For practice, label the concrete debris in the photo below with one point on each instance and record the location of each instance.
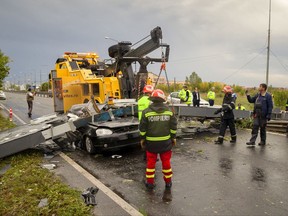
(49, 166)
(43, 203)
(116, 156)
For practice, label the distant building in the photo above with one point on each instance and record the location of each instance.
(154, 78)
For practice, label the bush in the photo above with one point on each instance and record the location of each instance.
(280, 98)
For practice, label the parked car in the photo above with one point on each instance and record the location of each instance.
(2, 95)
(174, 98)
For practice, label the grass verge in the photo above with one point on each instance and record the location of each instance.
(25, 183)
(5, 123)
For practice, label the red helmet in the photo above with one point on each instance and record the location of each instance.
(158, 95)
(148, 89)
(227, 89)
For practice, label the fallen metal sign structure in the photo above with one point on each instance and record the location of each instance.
(205, 112)
(51, 127)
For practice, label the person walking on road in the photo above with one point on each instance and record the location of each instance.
(185, 95)
(196, 97)
(263, 106)
(158, 128)
(30, 97)
(227, 116)
(211, 96)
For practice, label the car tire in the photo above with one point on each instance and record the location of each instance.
(89, 145)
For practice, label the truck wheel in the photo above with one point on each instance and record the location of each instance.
(89, 145)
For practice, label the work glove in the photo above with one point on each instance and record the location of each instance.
(142, 143)
(268, 117)
(173, 142)
(217, 111)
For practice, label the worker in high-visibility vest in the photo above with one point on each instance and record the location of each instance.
(240, 107)
(211, 96)
(144, 101)
(158, 128)
(185, 95)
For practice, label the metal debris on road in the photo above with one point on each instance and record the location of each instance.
(90, 195)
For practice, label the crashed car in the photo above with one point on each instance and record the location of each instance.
(2, 95)
(174, 98)
(112, 129)
(102, 136)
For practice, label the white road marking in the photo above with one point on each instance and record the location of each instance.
(122, 203)
(14, 115)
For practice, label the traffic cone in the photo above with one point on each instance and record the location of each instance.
(10, 114)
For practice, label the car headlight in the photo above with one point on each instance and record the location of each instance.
(103, 132)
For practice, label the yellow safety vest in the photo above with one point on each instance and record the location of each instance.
(182, 95)
(211, 95)
(143, 103)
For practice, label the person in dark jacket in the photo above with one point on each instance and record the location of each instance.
(196, 97)
(158, 128)
(30, 97)
(263, 106)
(227, 116)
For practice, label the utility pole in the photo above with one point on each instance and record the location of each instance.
(268, 47)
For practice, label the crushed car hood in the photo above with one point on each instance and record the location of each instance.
(117, 122)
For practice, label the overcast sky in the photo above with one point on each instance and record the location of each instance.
(221, 40)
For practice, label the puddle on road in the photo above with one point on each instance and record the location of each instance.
(226, 165)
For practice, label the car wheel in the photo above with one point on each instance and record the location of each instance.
(89, 145)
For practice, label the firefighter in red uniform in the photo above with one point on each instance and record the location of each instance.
(158, 133)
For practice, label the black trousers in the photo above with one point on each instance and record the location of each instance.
(230, 123)
(30, 106)
(196, 103)
(259, 123)
(211, 102)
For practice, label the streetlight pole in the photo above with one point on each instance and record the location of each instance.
(268, 47)
(109, 38)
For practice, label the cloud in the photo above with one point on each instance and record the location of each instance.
(213, 38)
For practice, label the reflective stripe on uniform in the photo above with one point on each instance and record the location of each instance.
(163, 138)
(156, 114)
(150, 170)
(167, 171)
(150, 176)
(168, 176)
(142, 133)
(173, 131)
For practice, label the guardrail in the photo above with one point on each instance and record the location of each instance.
(39, 93)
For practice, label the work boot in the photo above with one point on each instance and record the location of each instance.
(219, 140)
(168, 185)
(233, 139)
(262, 143)
(250, 143)
(149, 186)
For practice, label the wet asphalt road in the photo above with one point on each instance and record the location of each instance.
(208, 179)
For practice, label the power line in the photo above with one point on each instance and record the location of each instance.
(235, 72)
(279, 60)
(201, 58)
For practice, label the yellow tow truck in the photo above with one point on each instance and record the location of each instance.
(79, 76)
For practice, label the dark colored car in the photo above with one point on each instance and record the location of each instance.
(101, 136)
